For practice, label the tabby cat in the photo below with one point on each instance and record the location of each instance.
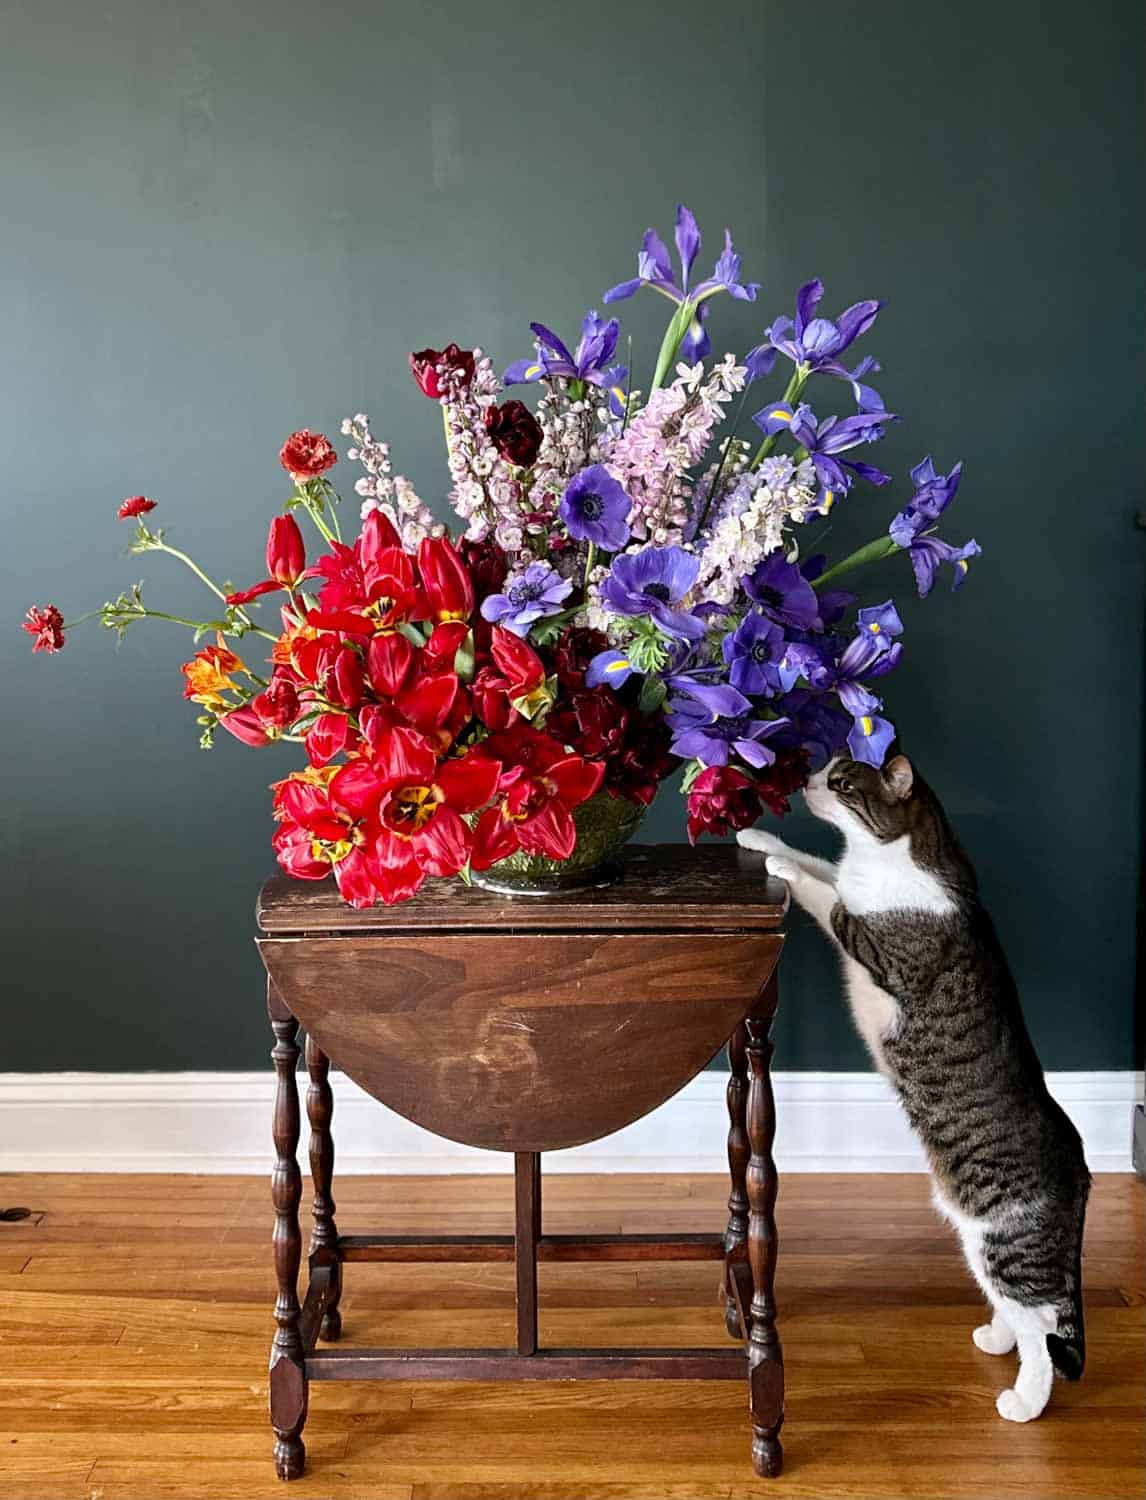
(935, 1002)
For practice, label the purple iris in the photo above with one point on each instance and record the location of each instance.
(825, 440)
(910, 529)
(528, 597)
(755, 655)
(815, 343)
(609, 669)
(595, 509)
(873, 653)
(813, 725)
(655, 269)
(649, 582)
(588, 362)
(711, 720)
(933, 494)
(783, 593)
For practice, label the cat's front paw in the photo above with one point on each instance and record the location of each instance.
(783, 868)
(760, 841)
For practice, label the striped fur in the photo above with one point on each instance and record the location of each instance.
(936, 1003)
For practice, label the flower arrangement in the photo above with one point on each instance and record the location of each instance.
(631, 590)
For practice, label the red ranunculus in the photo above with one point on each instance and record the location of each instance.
(486, 564)
(47, 625)
(539, 787)
(138, 505)
(446, 585)
(721, 800)
(788, 773)
(575, 650)
(286, 562)
(307, 454)
(424, 366)
(643, 761)
(514, 432)
(592, 721)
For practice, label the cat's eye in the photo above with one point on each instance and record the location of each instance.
(843, 785)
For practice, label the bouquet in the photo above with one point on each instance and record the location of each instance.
(634, 586)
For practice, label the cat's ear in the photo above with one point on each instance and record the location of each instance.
(898, 777)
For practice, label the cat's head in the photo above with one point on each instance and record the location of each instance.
(879, 801)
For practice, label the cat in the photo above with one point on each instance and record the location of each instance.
(935, 1002)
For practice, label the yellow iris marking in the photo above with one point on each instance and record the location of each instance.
(829, 500)
(866, 724)
(620, 395)
(962, 564)
(532, 371)
(780, 416)
(874, 627)
(617, 666)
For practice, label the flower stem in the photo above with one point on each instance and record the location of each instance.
(161, 546)
(876, 551)
(590, 560)
(670, 344)
(791, 395)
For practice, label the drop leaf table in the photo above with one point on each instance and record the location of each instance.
(527, 1025)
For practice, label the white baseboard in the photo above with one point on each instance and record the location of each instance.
(220, 1122)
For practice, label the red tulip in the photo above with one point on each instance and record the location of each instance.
(424, 365)
(445, 580)
(277, 707)
(539, 787)
(286, 562)
(245, 724)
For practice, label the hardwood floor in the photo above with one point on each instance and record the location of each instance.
(135, 1325)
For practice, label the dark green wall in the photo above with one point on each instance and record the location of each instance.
(226, 220)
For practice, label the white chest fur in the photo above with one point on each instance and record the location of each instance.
(875, 877)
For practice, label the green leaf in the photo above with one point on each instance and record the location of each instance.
(653, 694)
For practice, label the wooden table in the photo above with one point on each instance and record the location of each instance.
(527, 1026)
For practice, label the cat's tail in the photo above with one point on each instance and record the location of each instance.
(1067, 1344)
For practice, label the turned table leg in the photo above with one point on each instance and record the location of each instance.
(765, 1358)
(736, 1234)
(288, 1384)
(324, 1235)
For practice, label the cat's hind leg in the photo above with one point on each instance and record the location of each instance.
(995, 1337)
(1031, 1390)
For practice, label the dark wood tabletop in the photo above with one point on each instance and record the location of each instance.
(665, 887)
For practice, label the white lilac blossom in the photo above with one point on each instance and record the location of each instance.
(383, 490)
(653, 456)
(750, 522)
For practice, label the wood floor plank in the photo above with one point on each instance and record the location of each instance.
(134, 1315)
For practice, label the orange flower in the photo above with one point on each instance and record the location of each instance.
(208, 675)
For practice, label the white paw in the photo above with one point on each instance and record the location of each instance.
(1012, 1408)
(782, 868)
(758, 839)
(992, 1340)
